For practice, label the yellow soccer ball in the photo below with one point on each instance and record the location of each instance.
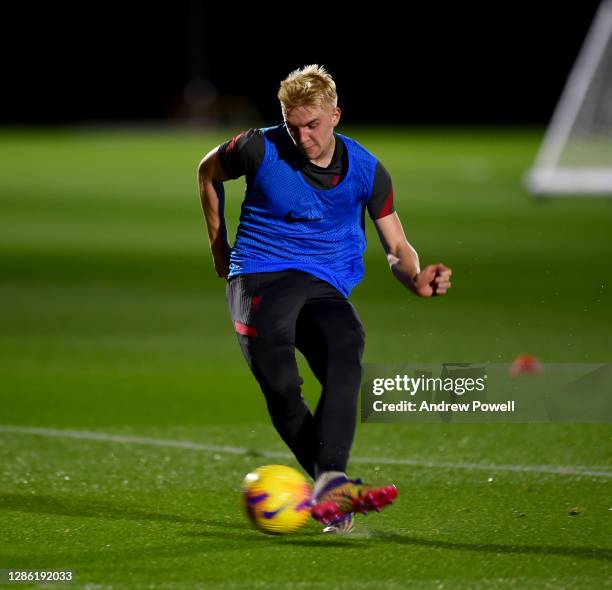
(277, 499)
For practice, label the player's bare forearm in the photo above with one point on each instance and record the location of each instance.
(212, 199)
(404, 261)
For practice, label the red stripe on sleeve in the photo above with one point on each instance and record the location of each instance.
(231, 146)
(388, 206)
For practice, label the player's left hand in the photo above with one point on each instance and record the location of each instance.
(433, 280)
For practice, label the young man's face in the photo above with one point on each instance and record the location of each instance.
(312, 129)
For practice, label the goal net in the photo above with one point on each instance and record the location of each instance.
(576, 154)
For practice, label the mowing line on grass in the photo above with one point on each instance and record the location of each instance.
(574, 470)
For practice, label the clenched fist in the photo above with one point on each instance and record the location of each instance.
(432, 280)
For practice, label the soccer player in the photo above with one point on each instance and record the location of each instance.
(298, 254)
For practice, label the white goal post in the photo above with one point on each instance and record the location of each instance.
(576, 154)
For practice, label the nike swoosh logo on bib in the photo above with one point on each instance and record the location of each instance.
(291, 219)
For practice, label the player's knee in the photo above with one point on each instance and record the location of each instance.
(287, 411)
(282, 386)
(349, 343)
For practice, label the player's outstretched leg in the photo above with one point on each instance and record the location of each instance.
(330, 335)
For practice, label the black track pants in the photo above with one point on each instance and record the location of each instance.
(275, 313)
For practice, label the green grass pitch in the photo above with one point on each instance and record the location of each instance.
(113, 323)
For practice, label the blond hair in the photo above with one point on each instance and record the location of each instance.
(309, 86)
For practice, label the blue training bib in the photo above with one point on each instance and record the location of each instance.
(287, 224)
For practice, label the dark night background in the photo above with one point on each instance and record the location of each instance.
(505, 64)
